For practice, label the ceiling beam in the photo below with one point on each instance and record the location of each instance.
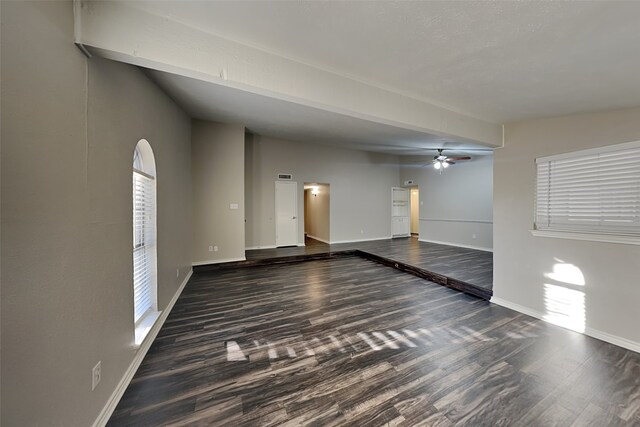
(125, 33)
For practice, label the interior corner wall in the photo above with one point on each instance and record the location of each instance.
(317, 212)
(69, 129)
(522, 262)
(457, 204)
(360, 188)
(217, 154)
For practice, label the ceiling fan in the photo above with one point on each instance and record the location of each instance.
(441, 161)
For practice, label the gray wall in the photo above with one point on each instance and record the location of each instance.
(69, 128)
(457, 203)
(523, 262)
(317, 213)
(217, 154)
(360, 188)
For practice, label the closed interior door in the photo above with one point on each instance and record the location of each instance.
(286, 213)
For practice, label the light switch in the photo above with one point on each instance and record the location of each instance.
(233, 206)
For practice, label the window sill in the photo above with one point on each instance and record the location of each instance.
(145, 325)
(592, 237)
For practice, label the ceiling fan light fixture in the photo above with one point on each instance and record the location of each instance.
(445, 164)
(437, 165)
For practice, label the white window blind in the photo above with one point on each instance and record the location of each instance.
(590, 191)
(144, 242)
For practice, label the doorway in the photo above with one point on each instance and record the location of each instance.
(286, 213)
(415, 212)
(317, 212)
(400, 214)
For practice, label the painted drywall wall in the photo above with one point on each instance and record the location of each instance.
(524, 264)
(457, 203)
(317, 213)
(306, 210)
(360, 183)
(69, 128)
(217, 155)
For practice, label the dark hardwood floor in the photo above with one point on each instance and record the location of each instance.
(468, 265)
(350, 342)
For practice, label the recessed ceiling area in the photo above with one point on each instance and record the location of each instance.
(287, 120)
(499, 61)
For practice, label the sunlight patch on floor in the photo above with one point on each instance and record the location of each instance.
(565, 300)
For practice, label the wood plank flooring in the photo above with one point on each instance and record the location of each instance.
(467, 265)
(350, 342)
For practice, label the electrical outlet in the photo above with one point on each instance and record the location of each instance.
(361, 231)
(96, 375)
(474, 236)
(210, 248)
(215, 249)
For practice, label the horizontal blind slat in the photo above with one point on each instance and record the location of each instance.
(594, 192)
(144, 212)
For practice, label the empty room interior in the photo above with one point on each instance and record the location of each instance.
(271, 213)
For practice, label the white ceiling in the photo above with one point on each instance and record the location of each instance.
(500, 61)
(282, 119)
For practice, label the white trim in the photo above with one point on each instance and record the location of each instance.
(299, 244)
(318, 239)
(115, 397)
(253, 248)
(592, 237)
(516, 307)
(360, 240)
(218, 261)
(594, 333)
(144, 326)
(478, 248)
(479, 221)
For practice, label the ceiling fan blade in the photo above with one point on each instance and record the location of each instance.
(450, 162)
(459, 158)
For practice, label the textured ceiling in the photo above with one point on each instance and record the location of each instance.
(500, 61)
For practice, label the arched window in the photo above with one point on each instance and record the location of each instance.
(144, 240)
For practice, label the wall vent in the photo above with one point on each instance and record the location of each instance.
(408, 182)
(285, 176)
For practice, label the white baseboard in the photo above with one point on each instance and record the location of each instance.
(218, 261)
(252, 248)
(115, 397)
(317, 238)
(594, 333)
(360, 240)
(479, 248)
(517, 307)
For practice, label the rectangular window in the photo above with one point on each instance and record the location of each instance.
(144, 241)
(593, 191)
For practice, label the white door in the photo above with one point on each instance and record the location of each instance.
(400, 212)
(286, 213)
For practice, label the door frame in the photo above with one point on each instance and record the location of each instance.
(408, 216)
(295, 184)
(411, 188)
